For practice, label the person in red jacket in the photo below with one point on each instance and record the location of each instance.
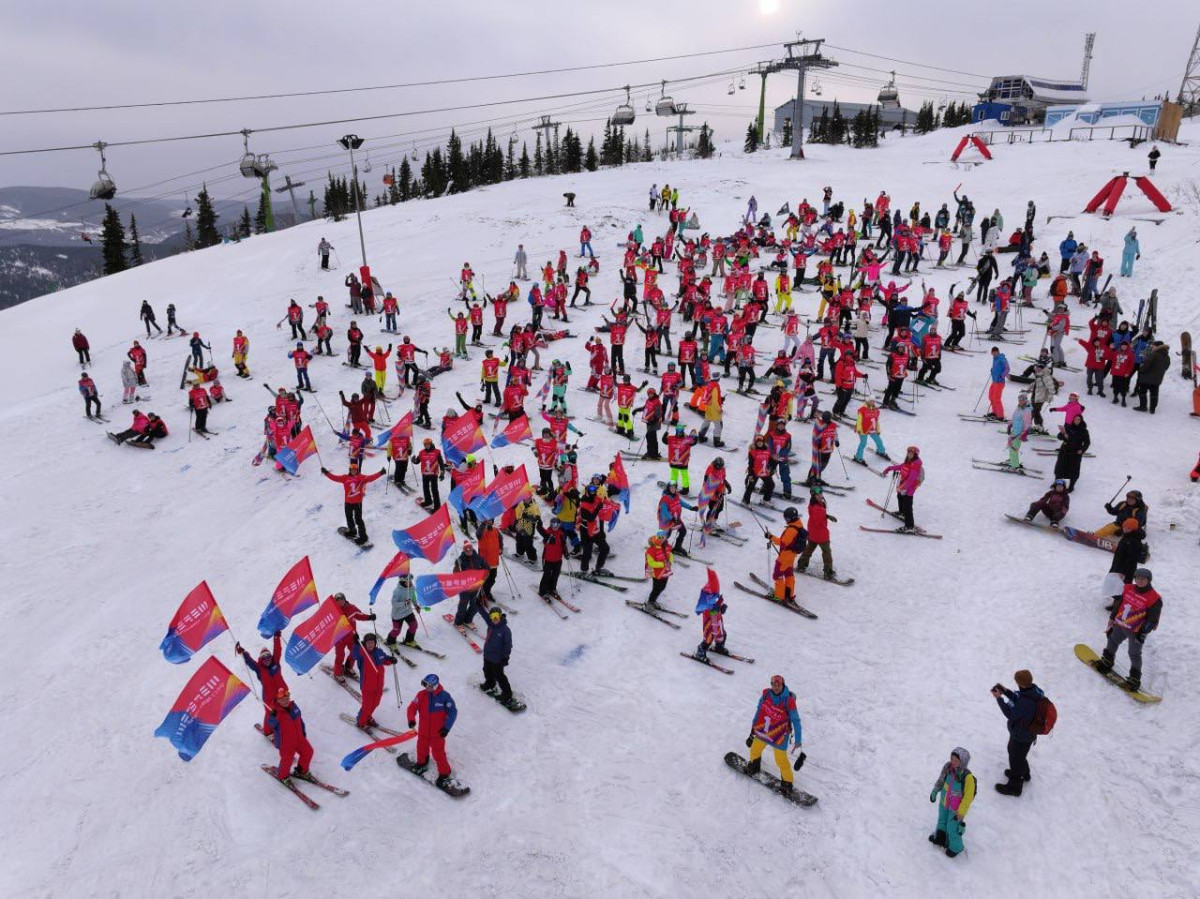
(270, 675)
(199, 402)
(355, 486)
(81, 346)
(371, 660)
(291, 737)
(435, 709)
(343, 662)
(818, 534)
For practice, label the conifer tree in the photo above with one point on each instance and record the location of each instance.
(704, 146)
(245, 227)
(590, 161)
(524, 167)
(135, 242)
(207, 234)
(113, 246)
(751, 143)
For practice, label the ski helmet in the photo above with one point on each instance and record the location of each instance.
(264, 652)
(1143, 573)
(826, 416)
(430, 680)
(339, 597)
(790, 514)
(718, 463)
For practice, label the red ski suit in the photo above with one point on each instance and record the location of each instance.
(437, 712)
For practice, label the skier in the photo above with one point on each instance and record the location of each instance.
(1018, 432)
(713, 636)
(354, 486)
(291, 736)
(300, 358)
(866, 426)
(910, 475)
(468, 600)
(198, 346)
(1150, 376)
(269, 673)
(520, 260)
(199, 402)
(371, 661)
(433, 469)
(998, 377)
(128, 382)
(323, 250)
(553, 542)
(590, 526)
(1131, 251)
(818, 535)
(82, 347)
(679, 455)
(956, 789)
(90, 394)
(1133, 618)
(497, 647)
(790, 542)
(437, 713)
(404, 606)
(147, 316)
(776, 723)
(137, 355)
(1019, 708)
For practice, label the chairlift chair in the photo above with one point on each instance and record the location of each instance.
(816, 87)
(251, 166)
(104, 188)
(624, 114)
(665, 105)
(649, 104)
(732, 90)
(742, 83)
(367, 164)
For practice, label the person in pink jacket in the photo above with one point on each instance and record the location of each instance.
(1070, 408)
(910, 474)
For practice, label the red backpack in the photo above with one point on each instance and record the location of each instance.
(1044, 717)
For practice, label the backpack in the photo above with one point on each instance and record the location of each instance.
(1044, 717)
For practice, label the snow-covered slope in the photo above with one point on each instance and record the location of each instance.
(612, 783)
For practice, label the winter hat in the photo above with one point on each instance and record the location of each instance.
(1023, 678)
(1129, 525)
(1143, 572)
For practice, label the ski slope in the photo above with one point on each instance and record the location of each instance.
(612, 784)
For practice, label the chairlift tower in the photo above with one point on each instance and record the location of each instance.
(681, 110)
(802, 55)
(544, 124)
(290, 187)
(1189, 88)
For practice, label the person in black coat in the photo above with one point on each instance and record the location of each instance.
(496, 650)
(1075, 442)
(1019, 709)
(1130, 551)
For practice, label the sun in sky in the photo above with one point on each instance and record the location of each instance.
(768, 7)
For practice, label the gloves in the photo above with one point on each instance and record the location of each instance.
(749, 741)
(768, 537)
(411, 725)
(443, 731)
(279, 633)
(1141, 638)
(324, 470)
(932, 796)
(237, 647)
(371, 617)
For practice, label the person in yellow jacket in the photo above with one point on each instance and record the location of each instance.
(956, 790)
(783, 293)
(659, 560)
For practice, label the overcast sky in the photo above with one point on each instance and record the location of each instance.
(75, 53)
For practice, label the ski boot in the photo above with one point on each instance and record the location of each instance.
(720, 649)
(603, 572)
(442, 781)
(785, 787)
(490, 690)
(702, 652)
(718, 442)
(829, 575)
(753, 766)
(1028, 518)
(1104, 666)
(951, 853)
(938, 838)
(389, 641)
(1026, 778)
(1010, 788)
(1133, 683)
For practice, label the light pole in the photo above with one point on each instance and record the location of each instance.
(352, 142)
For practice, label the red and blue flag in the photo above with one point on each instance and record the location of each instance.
(314, 637)
(210, 695)
(197, 620)
(398, 567)
(619, 479)
(710, 593)
(469, 484)
(402, 428)
(515, 431)
(461, 435)
(430, 540)
(434, 588)
(295, 593)
(294, 453)
(506, 490)
(362, 752)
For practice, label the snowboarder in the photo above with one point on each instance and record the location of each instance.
(956, 789)
(497, 647)
(241, 352)
(371, 660)
(354, 486)
(1133, 506)
(269, 673)
(435, 710)
(1054, 504)
(291, 736)
(1019, 708)
(1132, 619)
(379, 358)
(776, 723)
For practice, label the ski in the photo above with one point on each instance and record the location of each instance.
(1053, 452)
(709, 663)
(419, 648)
(328, 669)
(369, 731)
(799, 797)
(462, 629)
(983, 419)
(653, 613)
(403, 658)
(758, 508)
(98, 419)
(309, 778)
(1088, 656)
(549, 601)
(450, 788)
(733, 655)
(287, 784)
(917, 533)
(894, 514)
(840, 581)
(574, 608)
(866, 465)
(591, 579)
(1003, 468)
(770, 597)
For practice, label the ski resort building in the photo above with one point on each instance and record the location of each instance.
(890, 117)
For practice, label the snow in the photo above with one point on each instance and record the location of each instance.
(612, 783)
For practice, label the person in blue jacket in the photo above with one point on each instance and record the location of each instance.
(998, 378)
(776, 721)
(1131, 251)
(1019, 709)
(497, 648)
(1066, 250)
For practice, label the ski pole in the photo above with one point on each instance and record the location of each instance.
(982, 391)
(1128, 478)
(888, 498)
(189, 424)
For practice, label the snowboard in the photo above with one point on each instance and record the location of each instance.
(1087, 538)
(345, 532)
(1185, 343)
(1017, 519)
(1088, 656)
(453, 788)
(514, 705)
(770, 781)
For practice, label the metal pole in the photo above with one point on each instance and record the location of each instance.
(358, 208)
(798, 115)
(762, 108)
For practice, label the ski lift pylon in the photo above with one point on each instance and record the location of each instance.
(104, 188)
(665, 105)
(624, 114)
